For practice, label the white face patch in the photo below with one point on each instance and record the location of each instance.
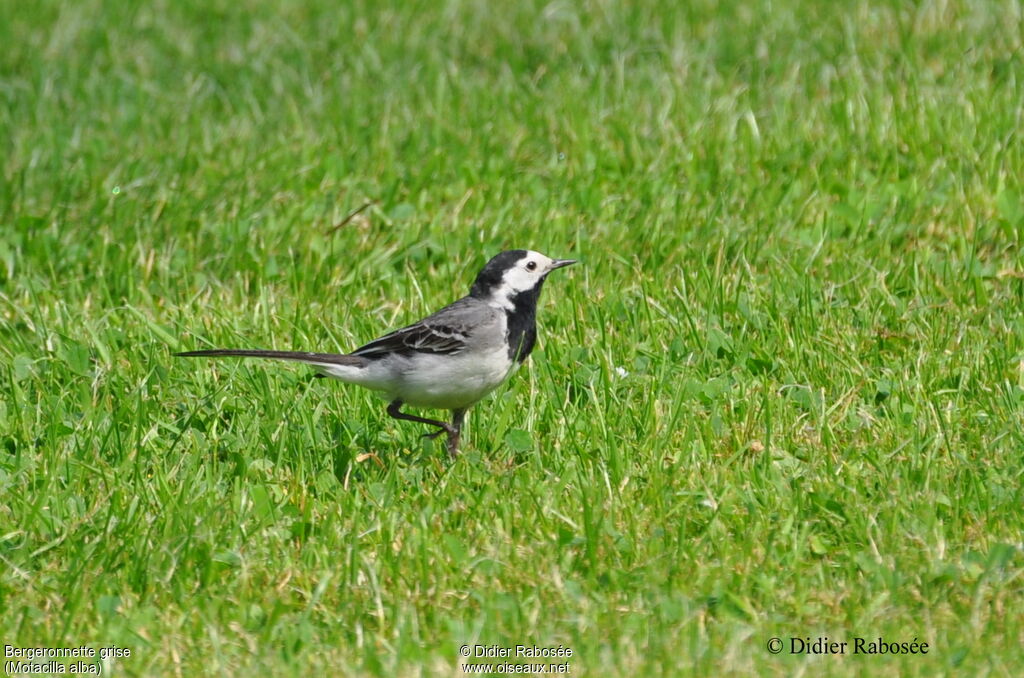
(524, 275)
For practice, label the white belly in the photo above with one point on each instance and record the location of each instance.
(448, 382)
(453, 381)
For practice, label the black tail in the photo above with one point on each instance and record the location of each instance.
(297, 356)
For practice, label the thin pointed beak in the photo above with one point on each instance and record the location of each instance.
(559, 263)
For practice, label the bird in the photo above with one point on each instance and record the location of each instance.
(450, 359)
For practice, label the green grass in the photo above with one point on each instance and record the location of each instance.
(781, 396)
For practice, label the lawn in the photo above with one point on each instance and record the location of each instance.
(782, 395)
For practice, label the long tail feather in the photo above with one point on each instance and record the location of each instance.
(297, 356)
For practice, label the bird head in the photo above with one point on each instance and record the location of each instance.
(512, 275)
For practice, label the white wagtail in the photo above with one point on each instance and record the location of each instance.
(450, 359)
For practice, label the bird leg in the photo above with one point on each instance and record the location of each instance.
(453, 436)
(395, 410)
(454, 430)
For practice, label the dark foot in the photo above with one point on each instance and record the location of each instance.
(454, 430)
(432, 436)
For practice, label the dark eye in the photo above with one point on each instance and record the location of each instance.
(531, 266)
